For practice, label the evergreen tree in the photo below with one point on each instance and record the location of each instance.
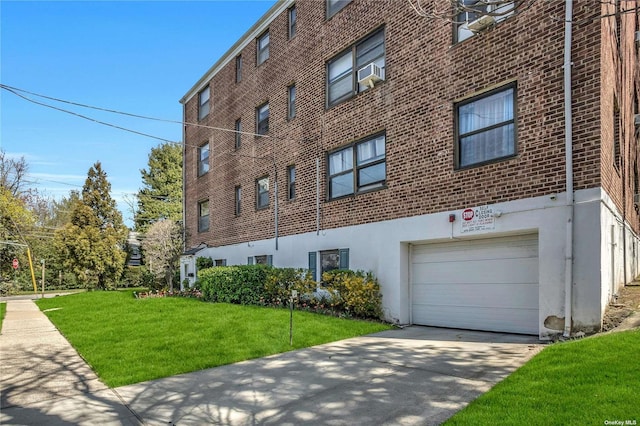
(161, 196)
(92, 244)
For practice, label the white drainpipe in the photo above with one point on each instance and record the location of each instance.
(568, 146)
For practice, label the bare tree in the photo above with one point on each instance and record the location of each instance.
(162, 246)
(12, 173)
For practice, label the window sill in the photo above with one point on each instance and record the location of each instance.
(362, 192)
(484, 163)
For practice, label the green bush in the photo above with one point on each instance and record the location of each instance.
(137, 276)
(354, 292)
(281, 281)
(203, 263)
(241, 284)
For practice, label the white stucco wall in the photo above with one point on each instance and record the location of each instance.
(384, 249)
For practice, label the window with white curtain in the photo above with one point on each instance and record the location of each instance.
(203, 159)
(358, 167)
(486, 128)
(262, 193)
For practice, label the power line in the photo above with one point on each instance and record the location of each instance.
(104, 123)
(21, 93)
(15, 91)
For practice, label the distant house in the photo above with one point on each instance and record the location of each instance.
(486, 171)
(134, 244)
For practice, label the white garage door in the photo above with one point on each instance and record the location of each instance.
(488, 284)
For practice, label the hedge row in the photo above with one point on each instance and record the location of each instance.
(342, 292)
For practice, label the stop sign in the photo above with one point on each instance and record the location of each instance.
(15, 264)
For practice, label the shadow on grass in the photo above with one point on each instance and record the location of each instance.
(419, 375)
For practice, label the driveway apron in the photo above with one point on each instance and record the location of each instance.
(410, 376)
(413, 376)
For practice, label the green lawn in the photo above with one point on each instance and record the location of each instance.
(581, 382)
(3, 310)
(128, 340)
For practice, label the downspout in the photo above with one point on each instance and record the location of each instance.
(568, 148)
(275, 203)
(184, 191)
(317, 196)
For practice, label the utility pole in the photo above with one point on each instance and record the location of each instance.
(42, 262)
(33, 276)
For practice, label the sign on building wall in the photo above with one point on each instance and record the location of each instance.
(479, 219)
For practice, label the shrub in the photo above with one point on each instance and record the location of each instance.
(203, 263)
(354, 292)
(241, 284)
(281, 281)
(137, 276)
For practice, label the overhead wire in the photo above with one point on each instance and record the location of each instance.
(21, 93)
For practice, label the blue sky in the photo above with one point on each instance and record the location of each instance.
(138, 57)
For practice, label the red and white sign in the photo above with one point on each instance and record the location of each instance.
(479, 219)
(15, 264)
(467, 214)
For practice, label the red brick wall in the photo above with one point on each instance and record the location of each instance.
(619, 66)
(426, 73)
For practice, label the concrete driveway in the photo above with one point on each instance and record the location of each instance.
(413, 376)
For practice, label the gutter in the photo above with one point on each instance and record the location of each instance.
(568, 147)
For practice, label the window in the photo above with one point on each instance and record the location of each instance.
(357, 168)
(265, 259)
(238, 68)
(333, 259)
(203, 159)
(334, 6)
(291, 182)
(238, 135)
(342, 71)
(486, 127)
(291, 104)
(203, 103)
(262, 119)
(203, 216)
(238, 200)
(263, 48)
(293, 18)
(476, 9)
(220, 262)
(262, 193)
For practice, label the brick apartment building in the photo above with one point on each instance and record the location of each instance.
(444, 171)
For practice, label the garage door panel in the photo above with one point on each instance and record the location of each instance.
(480, 271)
(508, 295)
(481, 249)
(505, 320)
(486, 284)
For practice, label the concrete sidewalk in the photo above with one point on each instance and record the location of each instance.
(414, 376)
(43, 380)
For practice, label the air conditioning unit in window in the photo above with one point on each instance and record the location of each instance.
(481, 23)
(369, 74)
